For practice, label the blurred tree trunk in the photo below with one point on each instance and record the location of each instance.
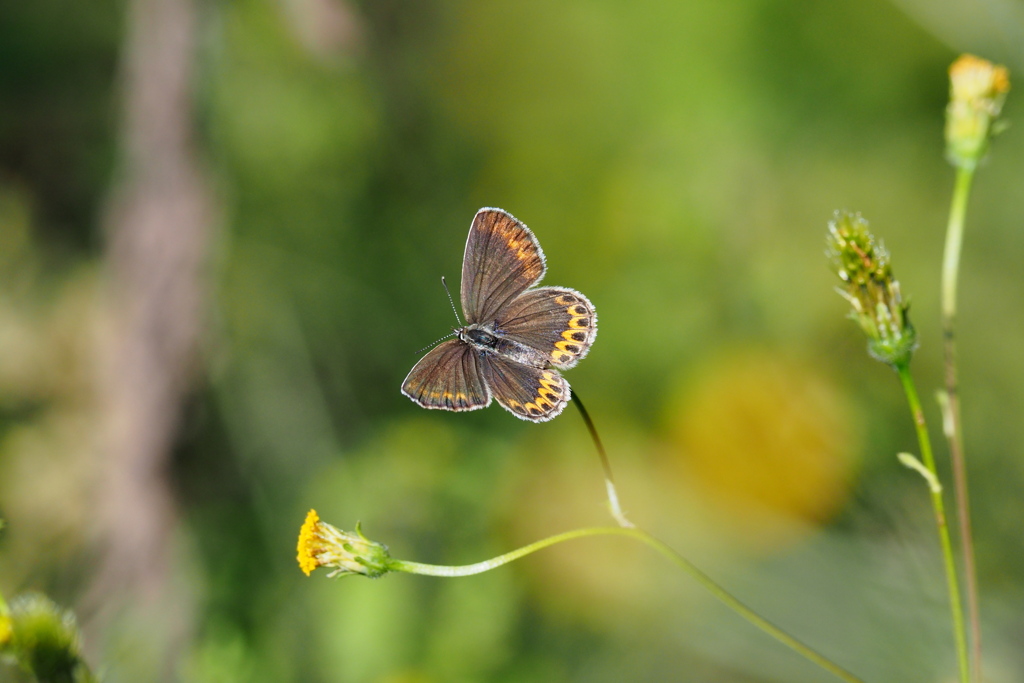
(158, 225)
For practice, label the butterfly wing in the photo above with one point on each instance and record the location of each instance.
(529, 393)
(449, 377)
(502, 260)
(557, 321)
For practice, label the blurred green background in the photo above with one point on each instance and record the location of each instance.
(679, 163)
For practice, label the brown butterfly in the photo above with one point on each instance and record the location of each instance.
(515, 339)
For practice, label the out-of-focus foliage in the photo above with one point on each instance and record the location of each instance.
(679, 163)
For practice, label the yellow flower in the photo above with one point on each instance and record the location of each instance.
(5, 629)
(977, 81)
(308, 543)
(323, 545)
(977, 91)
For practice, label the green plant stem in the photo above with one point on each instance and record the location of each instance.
(688, 567)
(954, 241)
(928, 459)
(951, 418)
(606, 465)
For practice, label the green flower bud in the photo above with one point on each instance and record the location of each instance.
(43, 639)
(862, 263)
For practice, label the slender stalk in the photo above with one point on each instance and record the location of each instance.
(703, 579)
(954, 428)
(454, 571)
(956, 609)
(954, 241)
(606, 465)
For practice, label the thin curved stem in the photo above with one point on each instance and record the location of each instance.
(606, 465)
(450, 571)
(703, 579)
(952, 583)
(951, 409)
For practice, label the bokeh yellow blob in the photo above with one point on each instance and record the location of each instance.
(769, 443)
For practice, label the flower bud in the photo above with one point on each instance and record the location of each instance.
(977, 91)
(44, 640)
(862, 263)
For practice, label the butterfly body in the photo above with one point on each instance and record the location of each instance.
(516, 336)
(487, 339)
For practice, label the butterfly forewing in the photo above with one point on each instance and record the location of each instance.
(536, 394)
(558, 321)
(502, 260)
(448, 377)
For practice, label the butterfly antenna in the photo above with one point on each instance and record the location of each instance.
(454, 310)
(451, 301)
(428, 346)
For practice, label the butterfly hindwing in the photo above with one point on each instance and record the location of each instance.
(502, 260)
(448, 377)
(558, 321)
(529, 393)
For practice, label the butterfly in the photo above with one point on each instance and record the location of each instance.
(515, 339)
